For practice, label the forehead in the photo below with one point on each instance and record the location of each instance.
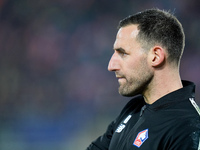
(126, 36)
(129, 31)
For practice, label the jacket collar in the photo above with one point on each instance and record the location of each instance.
(188, 91)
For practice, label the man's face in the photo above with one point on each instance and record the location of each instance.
(129, 62)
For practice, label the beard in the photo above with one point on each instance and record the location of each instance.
(132, 88)
(135, 84)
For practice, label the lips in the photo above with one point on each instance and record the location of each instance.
(119, 76)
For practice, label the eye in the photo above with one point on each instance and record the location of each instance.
(121, 53)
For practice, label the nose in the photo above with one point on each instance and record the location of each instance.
(114, 63)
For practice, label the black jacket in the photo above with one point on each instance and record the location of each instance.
(170, 123)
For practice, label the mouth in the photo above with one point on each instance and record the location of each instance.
(120, 78)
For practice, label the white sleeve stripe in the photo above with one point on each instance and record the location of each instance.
(195, 105)
(199, 145)
(198, 110)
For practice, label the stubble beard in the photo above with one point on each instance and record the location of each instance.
(134, 87)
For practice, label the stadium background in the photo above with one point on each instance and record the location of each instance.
(55, 90)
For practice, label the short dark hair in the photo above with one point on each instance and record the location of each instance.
(158, 27)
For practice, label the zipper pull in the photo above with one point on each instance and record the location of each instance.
(142, 110)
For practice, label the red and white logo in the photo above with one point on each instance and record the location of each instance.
(141, 138)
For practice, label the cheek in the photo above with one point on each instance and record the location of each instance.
(132, 65)
(130, 70)
(137, 67)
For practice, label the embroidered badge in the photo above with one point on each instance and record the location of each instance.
(141, 138)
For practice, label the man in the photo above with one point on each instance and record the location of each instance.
(162, 114)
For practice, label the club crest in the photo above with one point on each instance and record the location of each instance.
(141, 138)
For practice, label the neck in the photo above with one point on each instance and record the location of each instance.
(161, 85)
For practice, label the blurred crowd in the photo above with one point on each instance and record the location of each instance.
(54, 83)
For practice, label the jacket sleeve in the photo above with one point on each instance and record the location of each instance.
(102, 142)
(186, 136)
(191, 142)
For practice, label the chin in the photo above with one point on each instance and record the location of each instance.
(127, 93)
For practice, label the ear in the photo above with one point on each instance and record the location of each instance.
(157, 56)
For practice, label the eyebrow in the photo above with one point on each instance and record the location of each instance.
(120, 50)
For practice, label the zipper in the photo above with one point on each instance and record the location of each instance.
(142, 110)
